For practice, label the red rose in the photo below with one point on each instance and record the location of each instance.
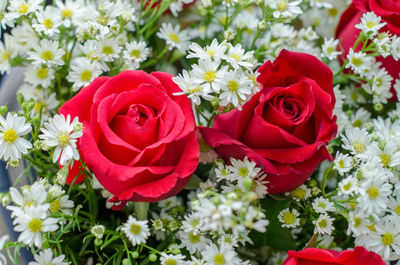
(388, 10)
(315, 256)
(138, 137)
(283, 128)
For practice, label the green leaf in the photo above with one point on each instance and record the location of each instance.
(276, 236)
(194, 183)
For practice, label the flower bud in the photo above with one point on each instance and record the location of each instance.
(152, 257)
(3, 110)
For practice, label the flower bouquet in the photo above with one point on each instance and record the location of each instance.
(214, 132)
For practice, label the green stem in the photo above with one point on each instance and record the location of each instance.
(141, 209)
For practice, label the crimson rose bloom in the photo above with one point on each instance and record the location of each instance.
(315, 256)
(283, 128)
(388, 10)
(138, 137)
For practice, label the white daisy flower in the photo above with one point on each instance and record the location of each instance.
(349, 186)
(192, 224)
(285, 8)
(370, 23)
(358, 223)
(324, 224)
(169, 259)
(389, 156)
(34, 195)
(191, 88)
(343, 163)
(236, 88)
(395, 47)
(47, 52)
(108, 50)
(356, 140)
(60, 133)
(358, 61)
(374, 196)
(320, 4)
(329, 48)
(39, 75)
(289, 218)
(323, 205)
(209, 75)
(23, 38)
(32, 223)
(214, 51)
(46, 257)
(19, 8)
(71, 12)
(62, 204)
(5, 20)
(136, 51)
(12, 144)
(382, 80)
(241, 169)
(48, 21)
(238, 57)
(174, 36)
(224, 254)
(7, 52)
(136, 231)
(83, 72)
(300, 193)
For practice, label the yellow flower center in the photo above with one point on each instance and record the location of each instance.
(203, 146)
(135, 53)
(42, 73)
(298, 193)
(170, 262)
(387, 239)
(370, 24)
(5, 55)
(35, 225)
(55, 206)
(281, 5)
(347, 186)
(174, 37)
(330, 50)
(102, 20)
(321, 205)
(333, 12)
(107, 50)
(373, 192)
(210, 52)
(48, 23)
(219, 259)
(289, 218)
(397, 210)
(357, 221)
(10, 136)
(194, 238)
(243, 171)
(233, 86)
(385, 159)
(67, 13)
(38, 106)
(23, 9)
(323, 223)
(86, 75)
(358, 147)
(235, 56)
(47, 55)
(209, 76)
(357, 123)
(356, 61)
(135, 229)
(194, 90)
(64, 139)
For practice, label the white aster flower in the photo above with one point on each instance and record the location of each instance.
(108, 49)
(32, 223)
(320, 4)
(356, 140)
(62, 204)
(209, 75)
(34, 195)
(39, 75)
(60, 133)
(395, 47)
(329, 49)
(192, 242)
(343, 163)
(19, 8)
(71, 12)
(136, 231)
(370, 23)
(191, 88)
(48, 21)
(83, 72)
(289, 218)
(174, 36)
(224, 254)
(136, 51)
(237, 57)
(236, 88)
(168, 259)
(192, 224)
(285, 8)
(214, 51)
(358, 61)
(323, 205)
(12, 144)
(47, 52)
(324, 224)
(374, 195)
(358, 223)
(45, 257)
(349, 186)
(300, 193)
(7, 52)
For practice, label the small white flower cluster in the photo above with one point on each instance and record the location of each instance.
(219, 221)
(223, 72)
(284, 36)
(285, 8)
(371, 185)
(38, 209)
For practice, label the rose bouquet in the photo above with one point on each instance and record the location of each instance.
(186, 132)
